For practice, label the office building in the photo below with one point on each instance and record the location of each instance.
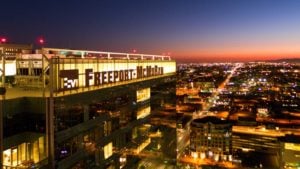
(73, 108)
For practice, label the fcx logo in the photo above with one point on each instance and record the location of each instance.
(69, 79)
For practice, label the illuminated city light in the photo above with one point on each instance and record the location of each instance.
(194, 154)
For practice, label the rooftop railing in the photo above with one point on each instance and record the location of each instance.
(103, 55)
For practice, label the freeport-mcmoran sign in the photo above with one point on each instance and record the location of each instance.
(70, 78)
(89, 72)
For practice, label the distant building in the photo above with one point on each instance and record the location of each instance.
(211, 138)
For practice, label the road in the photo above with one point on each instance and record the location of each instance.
(220, 88)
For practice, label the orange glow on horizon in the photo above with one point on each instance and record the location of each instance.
(238, 55)
(239, 51)
(234, 57)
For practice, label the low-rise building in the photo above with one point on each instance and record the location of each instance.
(211, 137)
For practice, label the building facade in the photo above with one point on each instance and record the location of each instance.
(211, 137)
(88, 109)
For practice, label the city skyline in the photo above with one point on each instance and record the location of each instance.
(83, 109)
(188, 31)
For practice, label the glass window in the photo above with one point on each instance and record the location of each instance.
(108, 150)
(142, 95)
(22, 152)
(42, 147)
(35, 152)
(14, 157)
(7, 157)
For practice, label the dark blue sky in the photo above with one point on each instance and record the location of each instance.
(215, 29)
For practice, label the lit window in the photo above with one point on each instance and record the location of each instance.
(108, 150)
(142, 95)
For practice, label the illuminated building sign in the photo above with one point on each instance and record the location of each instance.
(70, 78)
(79, 71)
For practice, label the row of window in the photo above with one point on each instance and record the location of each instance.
(31, 72)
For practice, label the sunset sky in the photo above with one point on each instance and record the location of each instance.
(191, 30)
